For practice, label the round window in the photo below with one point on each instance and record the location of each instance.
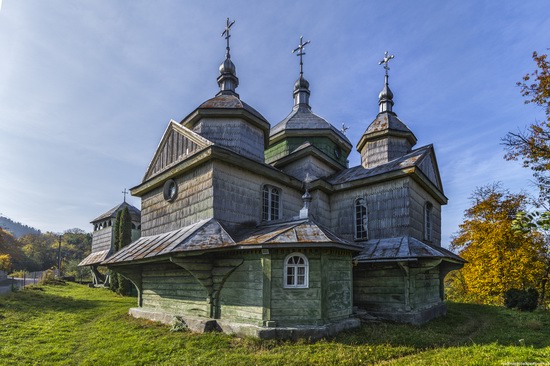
(170, 190)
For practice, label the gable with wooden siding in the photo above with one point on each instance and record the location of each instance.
(176, 145)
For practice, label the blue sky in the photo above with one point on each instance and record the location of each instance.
(88, 87)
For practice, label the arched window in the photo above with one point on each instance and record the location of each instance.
(271, 203)
(133, 225)
(296, 273)
(428, 221)
(361, 219)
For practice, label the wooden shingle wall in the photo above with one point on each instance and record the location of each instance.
(102, 239)
(320, 207)
(170, 288)
(194, 202)
(419, 197)
(235, 134)
(387, 209)
(381, 151)
(238, 195)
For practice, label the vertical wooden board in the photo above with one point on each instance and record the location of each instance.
(241, 296)
(266, 295)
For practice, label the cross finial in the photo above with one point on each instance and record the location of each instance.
(125, 192)
(301, 52)
(227, 35)
(385, 61)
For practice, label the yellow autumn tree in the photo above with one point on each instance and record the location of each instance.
(499, 258)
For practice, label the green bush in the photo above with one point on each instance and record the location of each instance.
(521, 299)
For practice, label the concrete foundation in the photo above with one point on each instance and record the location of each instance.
(201, 325)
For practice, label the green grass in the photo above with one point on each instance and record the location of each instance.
(76, 325)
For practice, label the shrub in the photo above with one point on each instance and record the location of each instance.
(521, 299)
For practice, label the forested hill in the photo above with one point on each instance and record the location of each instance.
(17, 229)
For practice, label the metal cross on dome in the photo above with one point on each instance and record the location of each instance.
(125, 192)
(301, 52)
(386, 60)
(227, 35)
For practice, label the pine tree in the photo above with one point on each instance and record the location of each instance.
(114, 277)
(125, 237)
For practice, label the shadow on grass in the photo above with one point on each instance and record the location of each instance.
(464, 324)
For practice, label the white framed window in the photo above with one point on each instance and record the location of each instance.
(296, 273)
(361, 219)
(271, 203)
(428, 221)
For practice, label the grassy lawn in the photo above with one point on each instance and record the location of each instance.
(76, 325)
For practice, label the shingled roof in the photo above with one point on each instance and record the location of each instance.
(403, 248)
(135, 213)
(211, 235)
(409, 160)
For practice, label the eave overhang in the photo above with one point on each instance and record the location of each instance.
(208, 154)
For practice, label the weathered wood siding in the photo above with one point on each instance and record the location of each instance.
(337, 299)
(383, 150)
(102, 239)
(194, 202)
(241, 295)
(238, 195)
(425, 288)
(427, 167)
(320, 208)
(176, 148)
(294, 306)
(308, 165)
(387, 209)
(418, 199)
(379, 288)
(235, 134)
(169, 288)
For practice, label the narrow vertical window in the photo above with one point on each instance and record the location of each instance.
(428, 221)
(361, 219)
(271, 203)
(296, 271)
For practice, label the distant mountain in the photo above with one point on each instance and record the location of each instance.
(17, 229)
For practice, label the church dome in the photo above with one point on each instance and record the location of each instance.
(386, 93)
(301, 83)
(227, 67)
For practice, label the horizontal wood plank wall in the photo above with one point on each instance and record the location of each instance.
(238, 195)
(387, 209)
(380, 288)
(419, 197)
(102, 239)
(339, 293)
(299, 305)
(235, 134)
(426, 288)
(169, 288)
(241, 295)
(194, 202)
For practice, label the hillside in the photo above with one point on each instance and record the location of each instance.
(17, 229)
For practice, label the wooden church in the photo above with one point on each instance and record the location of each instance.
(103, 238)
(264, 230)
